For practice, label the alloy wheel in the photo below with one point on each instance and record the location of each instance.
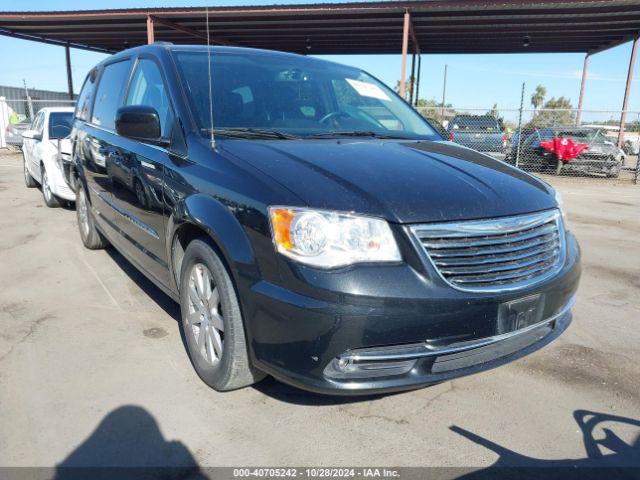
(83, 213)
(204, 318)
(45, 186)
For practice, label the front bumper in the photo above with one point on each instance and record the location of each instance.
(389, 314)
(58, 182)
(594, 163)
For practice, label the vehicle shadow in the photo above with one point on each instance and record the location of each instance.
(170, 307)
(128, 444)
(269, 386)
(295, 396)
(608, 455)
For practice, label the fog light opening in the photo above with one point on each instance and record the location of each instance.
(343, 364)
(349, 367)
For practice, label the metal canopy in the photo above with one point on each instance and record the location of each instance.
(438, 26)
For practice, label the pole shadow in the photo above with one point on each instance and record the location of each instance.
(607, 454)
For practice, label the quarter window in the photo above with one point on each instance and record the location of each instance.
(109, 94)
(83, 105)
(147, 88)
(37, 123)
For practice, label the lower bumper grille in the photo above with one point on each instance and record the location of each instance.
(399, 359)
(494, 255)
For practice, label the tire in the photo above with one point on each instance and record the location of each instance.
(91, 237)
(29, 181)
(50, 200)
(559, 167)
(211, 313)
(614, 171)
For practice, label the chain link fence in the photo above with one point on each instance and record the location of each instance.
(566, 142)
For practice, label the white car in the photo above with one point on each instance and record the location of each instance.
(41, 146)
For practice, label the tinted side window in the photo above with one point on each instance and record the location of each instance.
(147, 88)
(83, 105)
(109, 94)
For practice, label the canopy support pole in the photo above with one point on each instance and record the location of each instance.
(415, 103)
(405, 49)
(150, 32)
(627, 90)
(67, 53)
(583, 84)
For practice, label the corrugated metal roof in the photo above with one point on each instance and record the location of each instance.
(440, 26)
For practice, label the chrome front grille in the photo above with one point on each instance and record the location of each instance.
(494, 255)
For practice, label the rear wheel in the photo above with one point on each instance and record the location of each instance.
(50, 199)
(28, 179)
(91, 237)
(212, 321)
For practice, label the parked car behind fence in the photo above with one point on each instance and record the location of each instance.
(483, 133)
(596, 153)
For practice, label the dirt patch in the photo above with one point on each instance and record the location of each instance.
(625, 276)
(625, 204)
(155, 332)
(587, 368)
(20, 241)
(598, 221)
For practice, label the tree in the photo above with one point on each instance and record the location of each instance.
(433, 109)
(409, 85)
(538, 97)
(555, 112)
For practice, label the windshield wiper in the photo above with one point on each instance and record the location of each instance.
(248, 132)
(354, 133)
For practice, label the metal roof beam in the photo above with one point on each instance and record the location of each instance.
(59, 43)
(189, 31)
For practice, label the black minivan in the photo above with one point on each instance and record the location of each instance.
(312, 225)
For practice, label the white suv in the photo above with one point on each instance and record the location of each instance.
(42, 160)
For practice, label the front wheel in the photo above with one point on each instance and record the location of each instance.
(29, 181)
(50, 200)
(559, 166)
(212, 321)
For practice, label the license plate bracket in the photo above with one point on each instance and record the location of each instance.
(521, 313)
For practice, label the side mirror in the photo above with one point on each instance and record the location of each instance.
(32, 134)
(139, 122)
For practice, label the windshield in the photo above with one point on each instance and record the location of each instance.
(299, 96)
(60, 124)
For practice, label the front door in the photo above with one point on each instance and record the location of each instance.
(137, 172)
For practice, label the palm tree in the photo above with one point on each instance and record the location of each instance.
(538, 97)
(409, 86)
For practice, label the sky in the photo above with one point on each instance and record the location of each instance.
(473, 81)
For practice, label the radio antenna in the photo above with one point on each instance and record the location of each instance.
(213, 138)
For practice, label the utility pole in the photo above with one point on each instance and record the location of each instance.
(520, 126)
(444, 90)
(30, 111)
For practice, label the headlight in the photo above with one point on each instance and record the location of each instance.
(328, 239)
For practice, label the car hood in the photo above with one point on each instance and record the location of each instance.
(401, 181)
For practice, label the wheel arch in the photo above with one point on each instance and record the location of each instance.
(201, 215)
